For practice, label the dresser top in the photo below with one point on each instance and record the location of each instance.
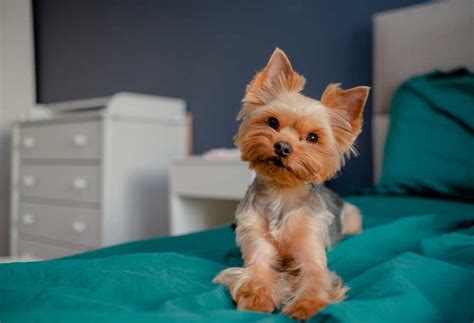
(120, 105)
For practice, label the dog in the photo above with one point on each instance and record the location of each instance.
(287, 219)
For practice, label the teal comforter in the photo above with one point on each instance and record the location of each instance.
(413, 263)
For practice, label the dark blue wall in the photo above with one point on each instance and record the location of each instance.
(205, 51)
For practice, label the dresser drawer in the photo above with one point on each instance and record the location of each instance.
(76, 225)
(61, 141)
(74, 183)
(27, 248)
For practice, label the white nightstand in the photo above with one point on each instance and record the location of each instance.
(205, 193)
(93, 178)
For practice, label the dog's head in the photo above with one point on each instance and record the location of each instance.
(291, 138)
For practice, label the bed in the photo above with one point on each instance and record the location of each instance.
(414, 260)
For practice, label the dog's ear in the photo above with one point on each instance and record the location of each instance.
(347, 107)
(277, 76)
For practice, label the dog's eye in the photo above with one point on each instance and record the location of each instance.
(273, 123)
(312, 137)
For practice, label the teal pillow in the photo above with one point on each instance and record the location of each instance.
(430, 145)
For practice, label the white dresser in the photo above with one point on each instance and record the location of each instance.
(94, 177)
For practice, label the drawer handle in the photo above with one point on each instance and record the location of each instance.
(79, 227)
(29, 180)
(28, 219)
(79, 184)
(80, 140)
(29, 142)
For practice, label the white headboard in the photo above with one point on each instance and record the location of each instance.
(412, 41)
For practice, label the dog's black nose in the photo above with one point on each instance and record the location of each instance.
(283, 149)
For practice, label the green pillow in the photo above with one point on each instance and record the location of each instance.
(430, 145)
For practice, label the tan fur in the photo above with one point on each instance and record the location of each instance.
(277, 76)
(309, 162)
(347, 107)
(286, 263)
(314, 285)
(257, 286)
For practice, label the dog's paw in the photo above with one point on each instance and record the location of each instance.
(338, 289)
(304, 307)
(255, 295)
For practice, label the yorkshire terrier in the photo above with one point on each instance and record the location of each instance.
(287, 218)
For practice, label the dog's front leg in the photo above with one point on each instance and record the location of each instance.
(315, 286)
(256, 285)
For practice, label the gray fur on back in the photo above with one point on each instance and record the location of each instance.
(319, 200)
(334, 204)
